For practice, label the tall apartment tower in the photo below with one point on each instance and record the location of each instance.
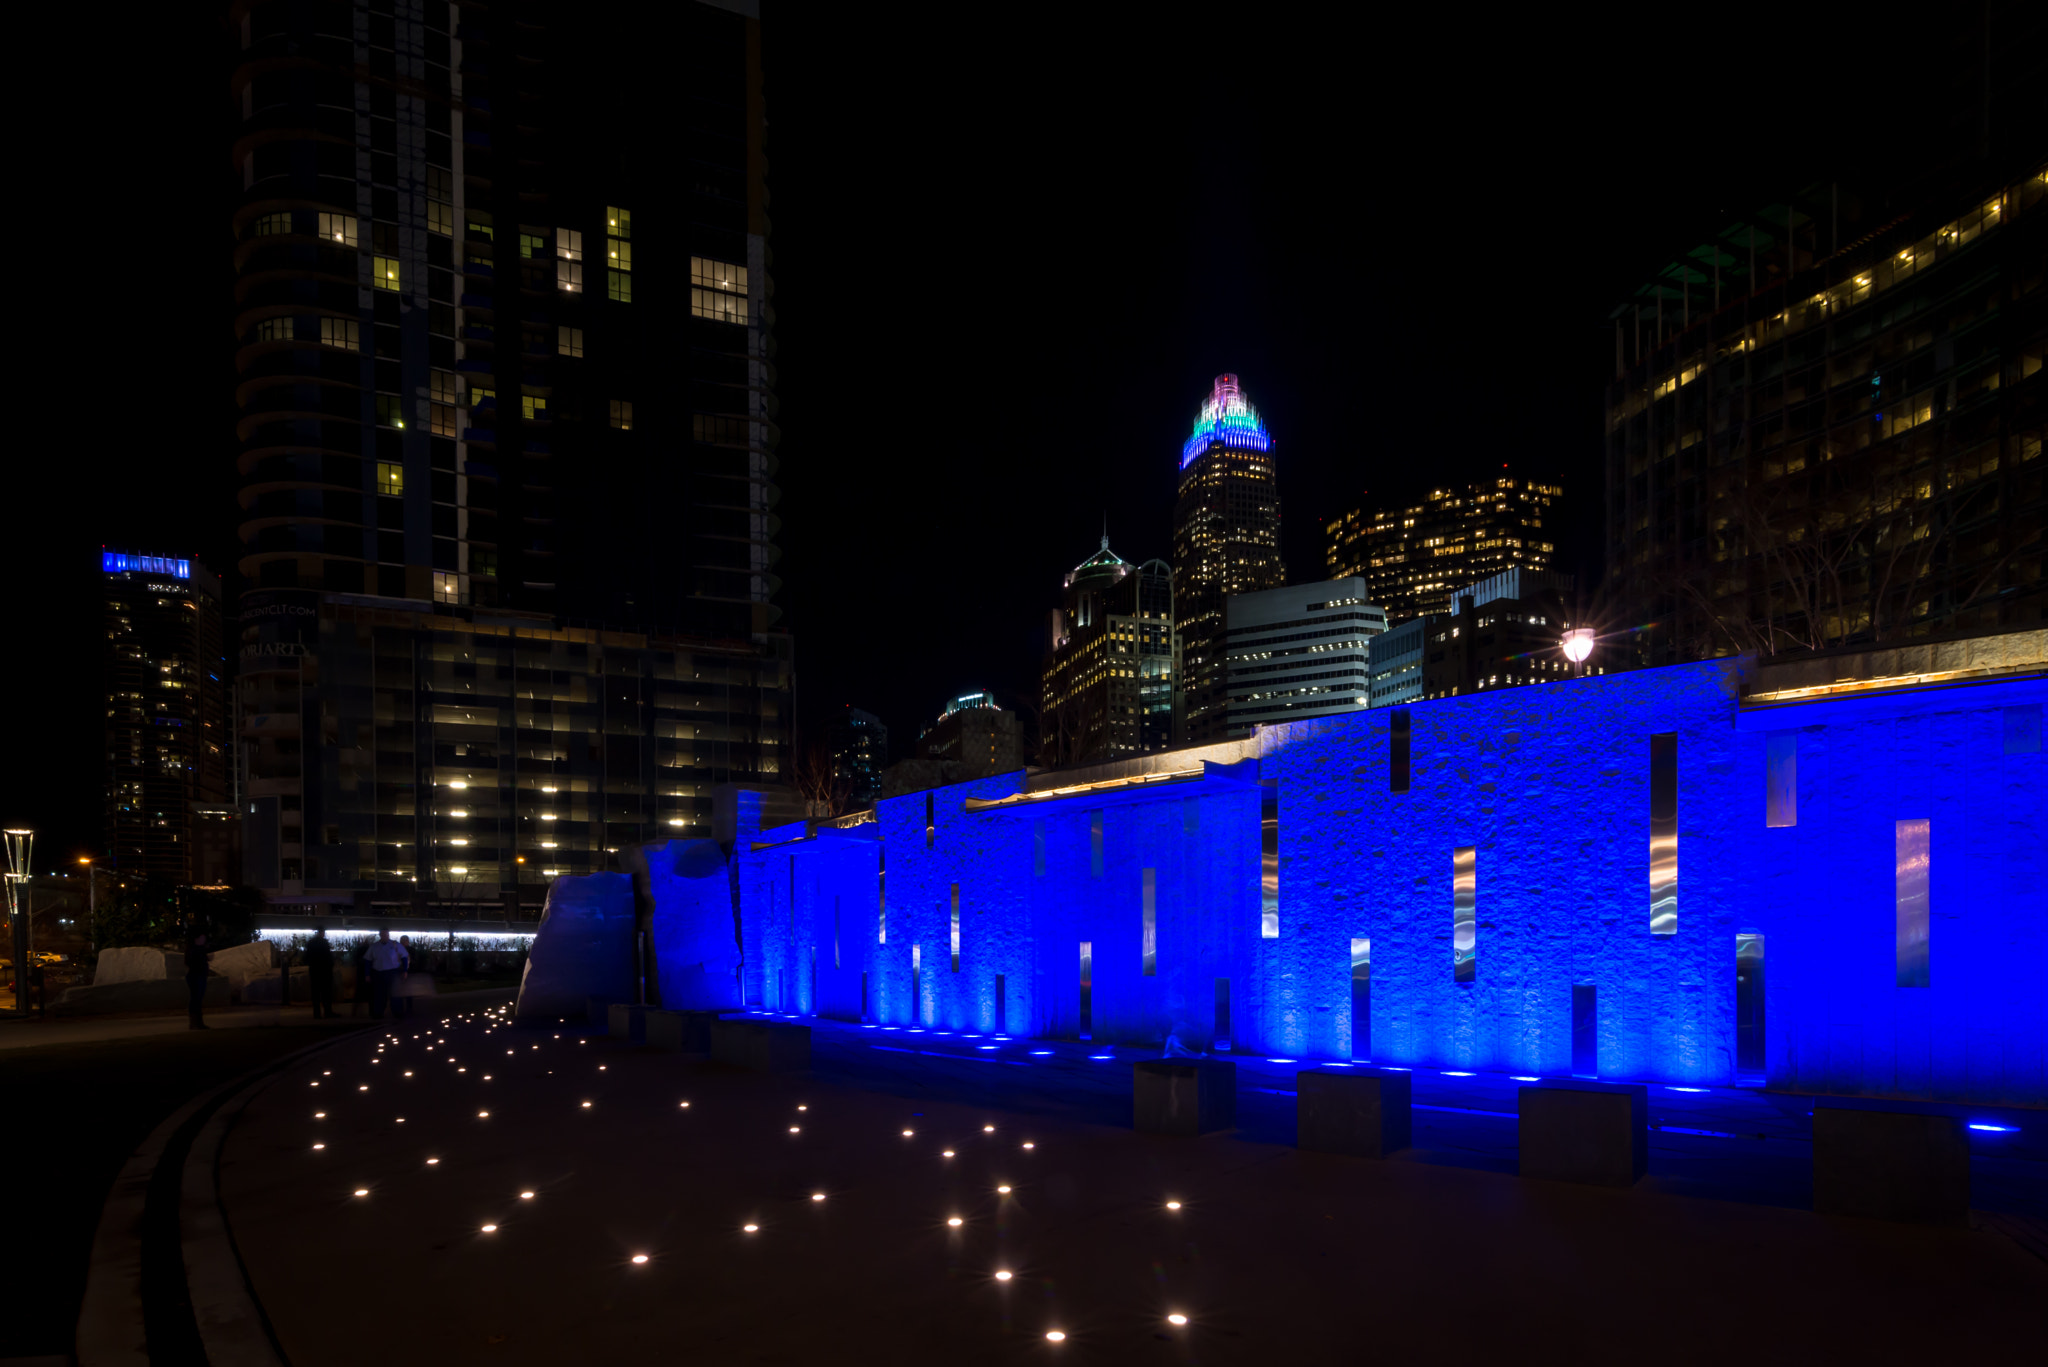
(1413, 559)
(1106, 690)
(503, 316)
(1226, 540)
(1825, 428)
(168, 752)
(507, 443)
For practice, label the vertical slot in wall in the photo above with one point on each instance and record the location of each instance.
(1269, 861)
(1585, 1030)
(930, 823)
(1087, 989)
(1909, 893)
(1002, 1006)
(953, 927)
(1222, 1015)
(1781, 779)
(881, 897)
(1397, 751)
(1150, 912)
(1749, 1005)
(1464, 913)
(1664, 834)
(917, 984)
(1361, 998)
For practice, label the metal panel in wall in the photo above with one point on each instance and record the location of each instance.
(1664, 834)
(881, 897)
(1361, 998)
(1150, 912)
(953, 927)
(1749, 1004)
(1087, 989)
(1910, 849)
(1464, 907)
(1269, 862)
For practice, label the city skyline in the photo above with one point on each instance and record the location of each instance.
(1218, 293)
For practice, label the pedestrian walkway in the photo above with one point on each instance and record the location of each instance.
(41, 1032)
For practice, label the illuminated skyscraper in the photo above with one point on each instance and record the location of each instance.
(1226, 540)
(1106, 690)
(1413, 558)
(167, 747)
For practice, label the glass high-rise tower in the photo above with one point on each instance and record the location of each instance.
(1226, 540)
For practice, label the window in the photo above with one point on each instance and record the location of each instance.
(619, 222)
(532, 245)
(479, 397)
(618, 287)
(568, 341)
(440, 184)
(274, 330)
(339, 228)
(345, 333)
(440, 218)
(390, 478)
(272, 224)
(718, 290)
(441, 386)
(569, 244)
(390, 411)
(622, 414)
(384, 272)
(441, 419)
(721, 430)
(447, 587)
(569, 276)
(619, 255)
(480, 227)
(483, 563)
(533, 407)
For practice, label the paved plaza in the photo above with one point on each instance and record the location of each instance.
(468, 1190)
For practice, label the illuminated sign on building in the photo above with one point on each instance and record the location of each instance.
(1228, 419)
(117, 562)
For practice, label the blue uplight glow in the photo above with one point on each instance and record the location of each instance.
(1280, 1060)
(1099, 1057)
(1394, 1068)
(1525, 1079)
(1685, 1089)
(987, 1046)
(1040, 1053)
(118, 562)
(1451, 1073)
(1998, 1129)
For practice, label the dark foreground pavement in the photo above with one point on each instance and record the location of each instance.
(367, 1246)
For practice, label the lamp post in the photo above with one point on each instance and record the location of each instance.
(20, 850)
(1577, 645)
(92, 904)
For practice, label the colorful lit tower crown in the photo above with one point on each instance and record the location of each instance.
(1227, 419)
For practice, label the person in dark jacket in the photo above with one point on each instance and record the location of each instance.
(320, 973)
(196, 956)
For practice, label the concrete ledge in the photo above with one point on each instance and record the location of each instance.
(1362, 1113)
(761, 1046)
(1592, 1132)
(1183, 1096)
(626, 1021)
(1891, 1165)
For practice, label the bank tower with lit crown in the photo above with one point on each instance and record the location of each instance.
(1226, 539)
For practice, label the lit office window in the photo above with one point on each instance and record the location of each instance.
(569, 276)
(479, 396)
(568, 341)
(441, 386)
(533, 407)
(618, 287)
(532, 245)
(622, 414)
(618, 255)
(338, 228)
(390, 478)
(384, 272)
(618, 222)
(390, 411)
(718, 290)
(345, 333)
(447, 587)
(440, 218)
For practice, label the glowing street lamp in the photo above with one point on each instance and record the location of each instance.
(1578, 644)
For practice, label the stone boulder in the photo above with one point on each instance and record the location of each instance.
(583, 948)
(131, 964)
(696, 939)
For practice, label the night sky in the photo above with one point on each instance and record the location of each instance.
(1008, 260)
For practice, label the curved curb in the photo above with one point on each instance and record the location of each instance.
(112, 1329)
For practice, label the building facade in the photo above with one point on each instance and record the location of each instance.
(168, 747)
(1826, 426)
(506, 367)
(447, 760)
(1298, 651)
(857, 743)
(1107, 688)
(1394, 661)
(1503, 632)
(1413, 558)
(1226, 540)
(976, 734)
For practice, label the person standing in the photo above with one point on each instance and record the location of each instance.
(320, 974)
(196, 956)
(386, 961)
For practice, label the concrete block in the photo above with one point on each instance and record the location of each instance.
(1183, 1096)
(626, 1021)
(761, 1046)
(1352, 1111)
(1592, 1132)
(1891, 1165)
(686, 1032)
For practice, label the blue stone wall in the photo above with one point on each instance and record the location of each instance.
(1550, 785)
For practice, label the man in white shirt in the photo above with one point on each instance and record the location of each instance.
(387, 963)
